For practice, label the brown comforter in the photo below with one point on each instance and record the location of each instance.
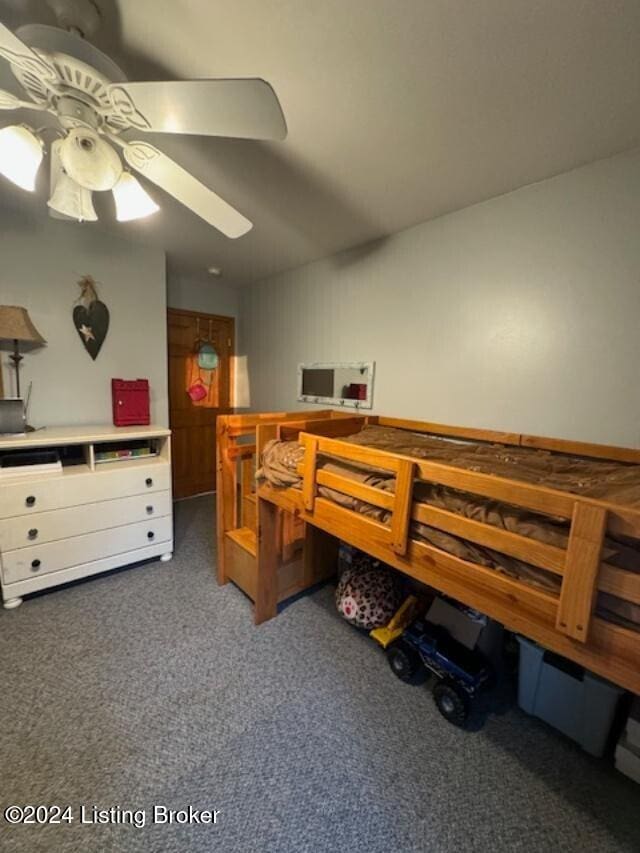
(610, 481)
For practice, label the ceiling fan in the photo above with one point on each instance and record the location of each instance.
(96, 109)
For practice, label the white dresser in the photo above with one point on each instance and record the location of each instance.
(90, 516)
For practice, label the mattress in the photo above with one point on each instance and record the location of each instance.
(610, 481)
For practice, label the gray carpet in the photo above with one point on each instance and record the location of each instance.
(152, 686)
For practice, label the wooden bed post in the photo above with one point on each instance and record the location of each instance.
(226, 497)
(268, 540)
(580, 582)
(264, 434)
(266, 603)
(402, 507)
(246, 490)
(309, 478)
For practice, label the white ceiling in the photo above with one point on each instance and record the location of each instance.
(398, 110)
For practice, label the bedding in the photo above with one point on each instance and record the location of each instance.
(611, 481)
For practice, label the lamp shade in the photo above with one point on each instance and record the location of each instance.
(16, 325)
(71, 200)
(132, 202)
(20, 156)
(90, 160)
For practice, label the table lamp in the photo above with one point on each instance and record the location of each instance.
(16, 326)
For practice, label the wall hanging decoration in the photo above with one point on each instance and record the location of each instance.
(202, 371)
(90, 317)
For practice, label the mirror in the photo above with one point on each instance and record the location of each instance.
(348, 384)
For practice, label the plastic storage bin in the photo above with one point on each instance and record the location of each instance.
(570, 698)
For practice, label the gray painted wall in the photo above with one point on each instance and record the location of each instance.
(204, 293)
(41, 262)
(520, 313)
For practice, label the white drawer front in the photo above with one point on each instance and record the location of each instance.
(73, 489)
(65, 553)
(34, 529)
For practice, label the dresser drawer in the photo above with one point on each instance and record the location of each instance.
(65, 553)
(73, 488)
(34, 529)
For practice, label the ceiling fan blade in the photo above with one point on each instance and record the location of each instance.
(18, 53)
(8, 101)
(179, 183)
(248, 108)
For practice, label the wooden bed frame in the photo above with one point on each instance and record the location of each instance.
(563, 623)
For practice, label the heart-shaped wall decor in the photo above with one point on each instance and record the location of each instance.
(91, 317)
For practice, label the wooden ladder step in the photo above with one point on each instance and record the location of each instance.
(245, 537)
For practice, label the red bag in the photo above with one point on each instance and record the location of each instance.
(130, 399)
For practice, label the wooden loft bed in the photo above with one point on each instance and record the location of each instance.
(236, 509)
(563, 623)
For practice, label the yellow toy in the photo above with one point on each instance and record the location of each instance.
(398, 622)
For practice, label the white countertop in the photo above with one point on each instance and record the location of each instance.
(50, 436)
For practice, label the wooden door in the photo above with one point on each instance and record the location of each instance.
(193, 422)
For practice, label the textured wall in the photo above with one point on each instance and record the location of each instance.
(41, 261)
(520, 313)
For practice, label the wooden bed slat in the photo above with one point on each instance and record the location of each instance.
(358, 453)
(241, 451)
(236, 425)
(578, 593)
(536, 498)
(555, 445)
(335, 427)
(369, 494)
(623, 584)
(465, 433)
(540, 554)
(581, 448)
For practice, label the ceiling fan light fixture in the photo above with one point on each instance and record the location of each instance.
(20, 156)
(72, 200)
(132, 201)
(90, 160)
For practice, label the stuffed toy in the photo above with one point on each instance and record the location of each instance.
(367, 595)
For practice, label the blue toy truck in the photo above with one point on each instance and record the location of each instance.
(461, 673)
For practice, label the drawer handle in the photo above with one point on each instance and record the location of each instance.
(33, 533)
(35, 565)
(149, 481)
(149, 509)
(150, 534)
(30, 501)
